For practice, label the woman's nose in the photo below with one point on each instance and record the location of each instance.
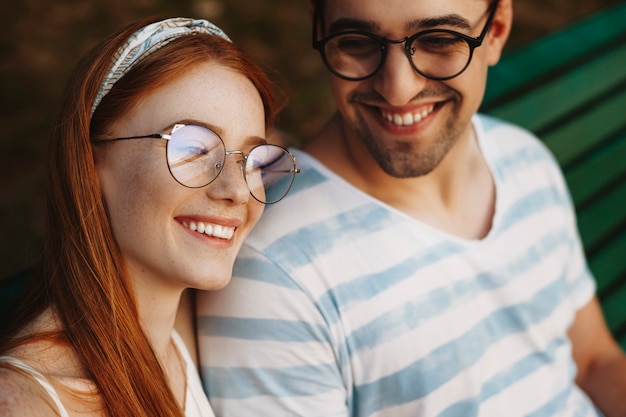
(231, 183)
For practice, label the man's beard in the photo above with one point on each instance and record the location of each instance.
(407, 159)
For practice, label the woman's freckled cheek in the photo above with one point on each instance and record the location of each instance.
(140, 189)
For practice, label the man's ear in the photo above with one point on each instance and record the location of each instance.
(500, 30)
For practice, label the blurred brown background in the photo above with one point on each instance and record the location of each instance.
(43, 39)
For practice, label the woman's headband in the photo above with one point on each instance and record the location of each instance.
(147, 40)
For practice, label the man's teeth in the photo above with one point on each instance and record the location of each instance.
(407, 119)
(209, 229)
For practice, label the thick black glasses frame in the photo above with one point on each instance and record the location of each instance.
(243, 155)
(383, 42)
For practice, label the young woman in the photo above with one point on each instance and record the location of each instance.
(157, 172)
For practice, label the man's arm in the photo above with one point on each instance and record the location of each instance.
(265, 348)
(600, 360)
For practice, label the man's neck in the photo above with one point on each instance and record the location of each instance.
(457, 197)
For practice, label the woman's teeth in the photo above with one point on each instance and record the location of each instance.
(209, 229)
(407, 119)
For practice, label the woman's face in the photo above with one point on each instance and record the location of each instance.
(152, 215)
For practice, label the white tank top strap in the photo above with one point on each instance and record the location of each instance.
(196, 401)
(41, 380)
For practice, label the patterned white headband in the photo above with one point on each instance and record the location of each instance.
(147, 40)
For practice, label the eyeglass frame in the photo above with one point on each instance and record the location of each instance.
(295, 170)
(472, 42)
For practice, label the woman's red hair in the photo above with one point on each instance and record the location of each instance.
(82, 275)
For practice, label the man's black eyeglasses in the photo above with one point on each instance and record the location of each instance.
(196, 156)
(438, 54)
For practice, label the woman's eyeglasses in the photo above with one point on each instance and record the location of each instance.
(196, 157)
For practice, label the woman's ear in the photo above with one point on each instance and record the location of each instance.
(500, 30)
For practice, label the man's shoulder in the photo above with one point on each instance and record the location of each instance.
(502, 137)
(493, 127)
(319, 202)
(312, 173)
(311, 195)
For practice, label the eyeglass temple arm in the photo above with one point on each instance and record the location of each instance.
(292, 170)
(314, 41)
(492, 14)
(152, 136)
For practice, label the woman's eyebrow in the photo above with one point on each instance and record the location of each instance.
(195, 122)
(255, 140)
(250, 141)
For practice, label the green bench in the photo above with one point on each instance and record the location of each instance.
(569, 88)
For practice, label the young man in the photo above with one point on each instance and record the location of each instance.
(427, 261)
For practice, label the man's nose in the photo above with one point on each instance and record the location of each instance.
(397, 81)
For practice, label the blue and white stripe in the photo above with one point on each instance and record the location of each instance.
(343, 306)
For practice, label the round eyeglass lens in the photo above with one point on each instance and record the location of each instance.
(439, 54)
(270, 172)
(353, 55)
(195, 155)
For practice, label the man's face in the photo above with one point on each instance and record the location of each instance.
(408, 123)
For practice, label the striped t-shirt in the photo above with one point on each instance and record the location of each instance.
(341, 305)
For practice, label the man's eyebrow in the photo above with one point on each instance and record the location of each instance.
(453, 20)
(347, 23)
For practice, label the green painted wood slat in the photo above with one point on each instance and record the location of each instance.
(600, 168)
(554, 52)
(538, 108)
(581, 134)
(597, 222)
(609, 267)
